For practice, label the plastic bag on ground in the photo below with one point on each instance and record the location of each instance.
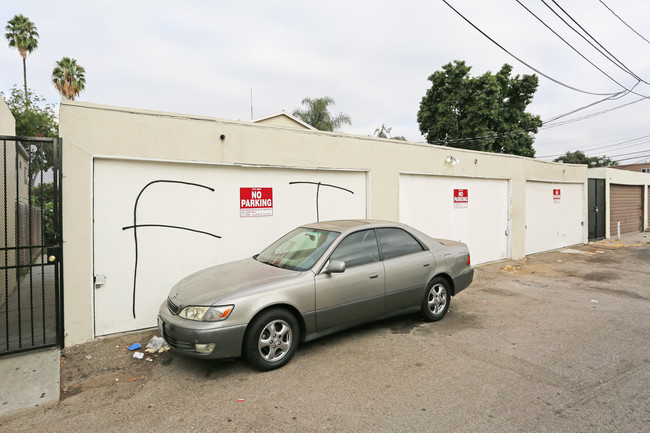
(155, 344)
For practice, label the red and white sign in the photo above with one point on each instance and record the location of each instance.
(557, 195)
(255, 202)
(461, 198)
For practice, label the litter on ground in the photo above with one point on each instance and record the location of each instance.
(156, 344)
(512, 269)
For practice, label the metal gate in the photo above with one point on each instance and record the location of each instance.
(31, 265)
(596, 208)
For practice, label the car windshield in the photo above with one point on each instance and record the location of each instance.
(298, 250)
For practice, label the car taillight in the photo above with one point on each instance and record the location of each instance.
(468, 260)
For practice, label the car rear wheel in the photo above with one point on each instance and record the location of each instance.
(436, 300)
(271, 339)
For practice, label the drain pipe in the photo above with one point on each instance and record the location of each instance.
(618, 229)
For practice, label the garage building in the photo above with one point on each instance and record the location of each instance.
(618, 202)
(150, 197)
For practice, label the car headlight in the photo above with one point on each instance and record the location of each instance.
(206, 314)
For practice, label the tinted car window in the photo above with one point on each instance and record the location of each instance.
(357, 249)
(397, 242)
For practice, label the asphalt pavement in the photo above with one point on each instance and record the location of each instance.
(556, 342)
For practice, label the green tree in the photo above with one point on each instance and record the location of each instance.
(69, 78)
(384, 132)
(316, 113)
(484, 113)
(578, 157)
(34, 118)
(22, 35)
(43, 197)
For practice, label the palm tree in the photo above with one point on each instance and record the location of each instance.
(384, 132)
(317, 115)
(68, 78)
(22, 35)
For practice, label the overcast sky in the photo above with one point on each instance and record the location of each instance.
(372, 57)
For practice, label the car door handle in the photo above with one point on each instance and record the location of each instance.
(372, 276)
(425, 265)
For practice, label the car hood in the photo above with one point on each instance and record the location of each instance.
(211, 285)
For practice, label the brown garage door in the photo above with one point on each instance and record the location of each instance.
(626, 206)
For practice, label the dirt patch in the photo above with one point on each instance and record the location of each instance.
(600, 276)
(107, 361)
(406, 326)
(498, 292)
(605, 258)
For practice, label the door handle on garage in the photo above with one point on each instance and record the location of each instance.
(372, 276)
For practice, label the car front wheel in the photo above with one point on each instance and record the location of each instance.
(436, 300)
(271, 339)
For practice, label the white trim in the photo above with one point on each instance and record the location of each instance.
(556, 181)
(453, 175)
(226, 164)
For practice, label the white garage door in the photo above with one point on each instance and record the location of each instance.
(471, 210)
(177, 224)
(554, 215)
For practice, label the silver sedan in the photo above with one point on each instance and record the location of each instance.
(315, 280)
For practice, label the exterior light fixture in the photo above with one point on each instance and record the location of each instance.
(451, 160)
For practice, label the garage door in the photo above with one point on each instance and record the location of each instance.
(471, 210)
(555, 215)
(626, 206)
(179, 216)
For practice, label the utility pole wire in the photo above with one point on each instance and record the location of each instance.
(621, 19)
(524, 63)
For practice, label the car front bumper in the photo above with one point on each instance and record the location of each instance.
(183, 335)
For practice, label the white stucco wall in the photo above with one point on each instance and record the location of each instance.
(7, 121)
(90, 131)
(8, 127)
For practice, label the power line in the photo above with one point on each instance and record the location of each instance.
(524, 63)
(616, 145)
(591, 153)
(612, 59)
(635, 157)
(570, 46)
(621, 19)
(584, 107)
(484, 137)
(546, 124)
(610, 96)
(588, 116)
(630, 153)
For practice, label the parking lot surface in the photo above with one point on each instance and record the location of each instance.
(556, 342)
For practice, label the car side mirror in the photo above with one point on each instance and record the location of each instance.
(335, 267)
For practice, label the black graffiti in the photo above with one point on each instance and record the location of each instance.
(135, 226)
(319, 184)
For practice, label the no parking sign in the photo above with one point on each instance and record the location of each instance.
(255, 202)
(461, 198)
(557, 195)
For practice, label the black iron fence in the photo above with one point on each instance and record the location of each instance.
(31, 277)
